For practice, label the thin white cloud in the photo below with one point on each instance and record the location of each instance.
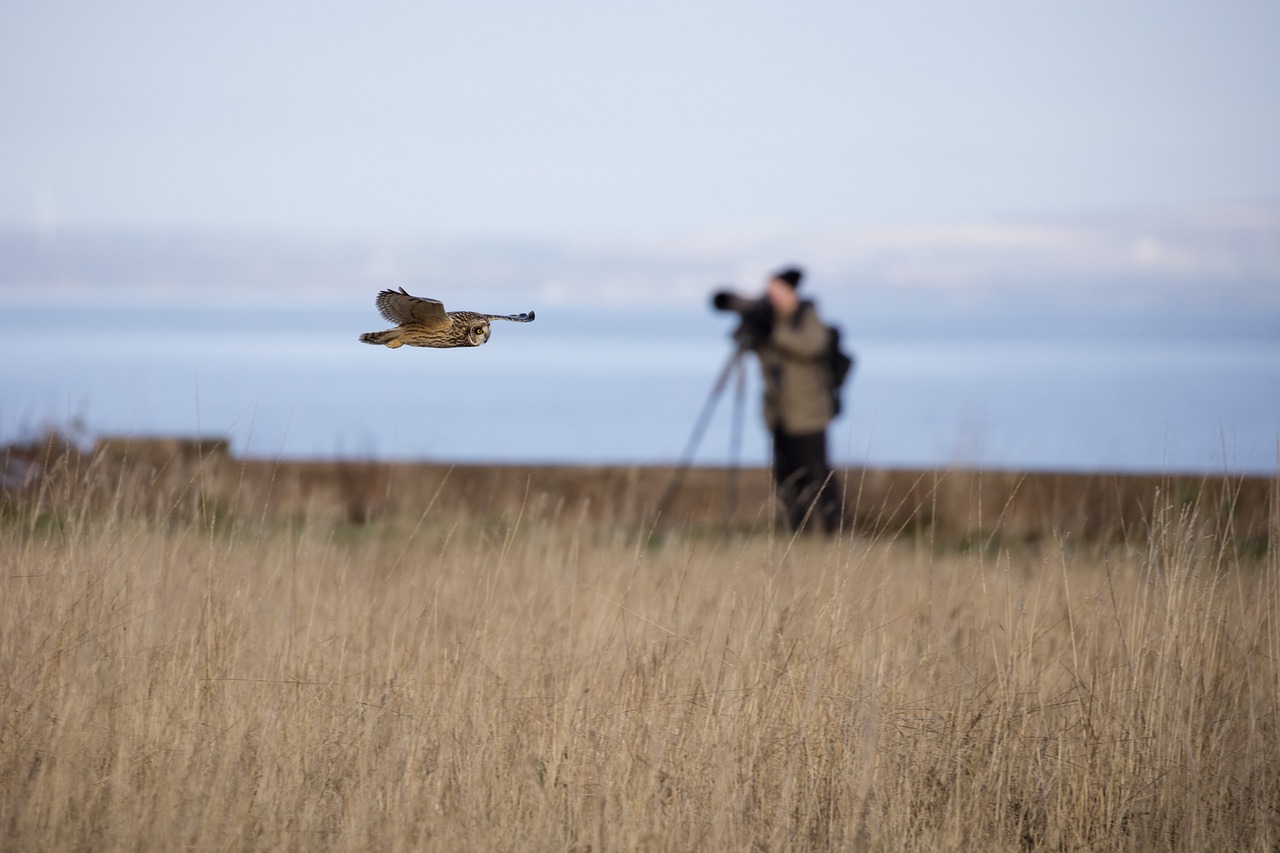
(1140, 255)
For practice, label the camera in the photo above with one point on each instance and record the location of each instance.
(755, 317)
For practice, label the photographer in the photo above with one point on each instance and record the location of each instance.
(791, 342)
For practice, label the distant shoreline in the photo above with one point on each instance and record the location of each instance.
(949, 504)
(175, 475)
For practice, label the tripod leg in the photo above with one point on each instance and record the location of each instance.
(677, 479)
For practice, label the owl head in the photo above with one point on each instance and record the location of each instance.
(477, 332)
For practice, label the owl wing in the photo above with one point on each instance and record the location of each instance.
(400, 307)
(525, 317)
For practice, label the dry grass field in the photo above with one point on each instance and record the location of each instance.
(178, 672)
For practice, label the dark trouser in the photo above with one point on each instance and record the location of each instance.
(810, 497)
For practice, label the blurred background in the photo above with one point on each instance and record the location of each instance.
(1050, 235)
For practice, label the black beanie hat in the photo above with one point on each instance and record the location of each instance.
(790, 275)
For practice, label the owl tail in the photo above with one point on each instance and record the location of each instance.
(390, 338)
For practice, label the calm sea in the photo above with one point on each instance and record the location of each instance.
(284, 378)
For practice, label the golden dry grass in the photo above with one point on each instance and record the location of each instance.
(546, 681)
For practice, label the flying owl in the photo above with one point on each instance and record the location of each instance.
(423, 322)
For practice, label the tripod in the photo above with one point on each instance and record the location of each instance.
(735, 369)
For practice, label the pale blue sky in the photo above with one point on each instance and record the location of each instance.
(1089, 189)
(575, 120)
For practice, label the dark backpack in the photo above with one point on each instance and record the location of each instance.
(840, 364)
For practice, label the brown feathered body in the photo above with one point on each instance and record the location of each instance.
(423, 322)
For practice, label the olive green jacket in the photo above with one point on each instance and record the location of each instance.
(797, 381)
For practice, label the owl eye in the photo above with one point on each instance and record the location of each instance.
(478, 330)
